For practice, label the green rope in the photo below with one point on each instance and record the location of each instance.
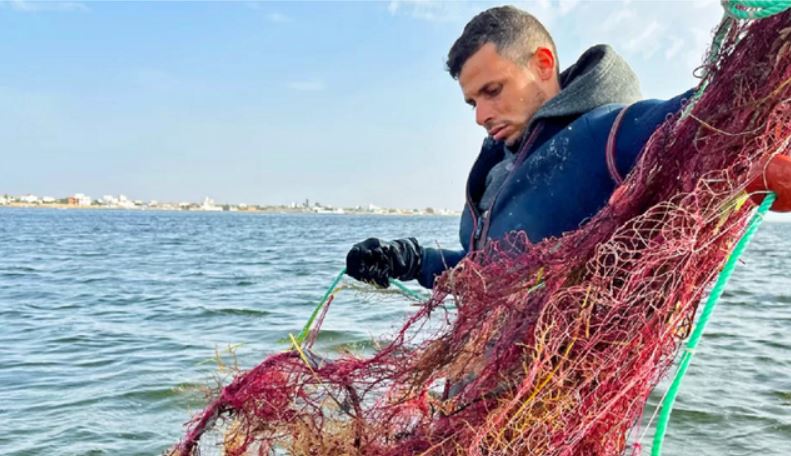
(754, 9)
(734, 10)
(334, 287)
(306, 329)
(711, 59)
(416, 295)
(711, 303)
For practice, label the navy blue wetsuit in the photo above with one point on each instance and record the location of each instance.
(557, 183)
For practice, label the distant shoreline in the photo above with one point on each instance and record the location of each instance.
(269, 210)
(275, 210)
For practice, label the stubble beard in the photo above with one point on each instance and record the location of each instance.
(540, 99)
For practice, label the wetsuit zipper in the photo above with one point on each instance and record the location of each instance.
(480, 224)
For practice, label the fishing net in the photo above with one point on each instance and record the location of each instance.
(548, 348)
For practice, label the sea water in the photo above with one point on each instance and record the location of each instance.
(110, 322)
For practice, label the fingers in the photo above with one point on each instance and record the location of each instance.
(382, 281)
(368, 262)
(354, 263)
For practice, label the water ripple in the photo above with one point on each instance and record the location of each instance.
(112, 319)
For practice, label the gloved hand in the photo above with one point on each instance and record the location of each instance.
(777, 178)
(376, 261)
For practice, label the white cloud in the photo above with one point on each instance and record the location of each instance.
(641, 29)
(278, 17)
(616, 19)
(567, 6)
(675, 45)
(306, 86)
(546, 11)
(27, 6)
(699, 4)
(460, 11)
(648, 41)
(701, 39)
(431, 10)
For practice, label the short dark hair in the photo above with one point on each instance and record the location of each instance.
(514, 32)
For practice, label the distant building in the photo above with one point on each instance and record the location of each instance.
(29, 199)
(208, 205)
(120, 202)
(124, 203)
(79, 199)
(328, 210)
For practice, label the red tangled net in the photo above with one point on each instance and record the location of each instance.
(554, 347)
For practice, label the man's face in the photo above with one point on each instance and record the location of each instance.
(504, 94)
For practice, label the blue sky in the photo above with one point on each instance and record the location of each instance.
(268, 103)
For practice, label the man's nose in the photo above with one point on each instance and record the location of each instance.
(483, 114)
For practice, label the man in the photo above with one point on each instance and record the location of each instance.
(546, 166)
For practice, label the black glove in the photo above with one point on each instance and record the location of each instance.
(378, 261)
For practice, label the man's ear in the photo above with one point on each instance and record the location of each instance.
(545, 63)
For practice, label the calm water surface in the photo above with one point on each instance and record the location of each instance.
(110, 321)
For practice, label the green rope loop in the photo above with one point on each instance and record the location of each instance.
(734, 10)
(754, 9)
(711, 303)
(334, 287)
(331, 289)
(416, 295)
(711, 59)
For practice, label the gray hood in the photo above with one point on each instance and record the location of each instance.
(599, 77)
